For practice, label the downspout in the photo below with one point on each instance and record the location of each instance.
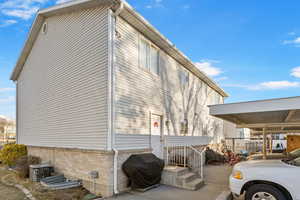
(17, 113)
(116, 152)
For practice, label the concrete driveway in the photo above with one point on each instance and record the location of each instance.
(216, 182)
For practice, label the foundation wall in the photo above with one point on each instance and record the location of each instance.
(77, 163)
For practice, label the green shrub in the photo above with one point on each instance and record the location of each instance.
(11, 152)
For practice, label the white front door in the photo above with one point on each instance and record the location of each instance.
(156, 135)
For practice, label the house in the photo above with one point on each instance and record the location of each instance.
(96, 83)
(7, 130)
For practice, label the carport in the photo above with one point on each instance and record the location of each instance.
(262, 117)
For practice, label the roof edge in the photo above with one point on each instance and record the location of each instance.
(260, 106)
(184, 58)
(259, 100)
(37, 23)
(31, 36)
(82, 4)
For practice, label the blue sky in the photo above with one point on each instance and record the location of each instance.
(250, 47)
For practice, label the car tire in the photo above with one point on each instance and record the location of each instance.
(256, 189)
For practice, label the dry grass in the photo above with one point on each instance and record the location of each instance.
(39, 192)
(9, 193)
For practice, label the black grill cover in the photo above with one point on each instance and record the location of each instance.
(143, 170)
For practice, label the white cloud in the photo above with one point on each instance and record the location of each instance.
(155, 4)
(7, 89)
(270, 85)
(277, 85)
(296, 72)
(8, 22)
(7, 99)
(23, 9)
(62, 1)
(23, 14)
(208, 68)
(295, 42)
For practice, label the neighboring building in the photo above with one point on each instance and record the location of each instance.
(230, 131)
(278, 136)
(237, 139)
(244, 133)
(97, 83)
(7, 130)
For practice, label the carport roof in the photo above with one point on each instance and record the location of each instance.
(277, 115)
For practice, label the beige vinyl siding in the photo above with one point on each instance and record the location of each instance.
(135, 92)
(62, 89)
(140, 92)
(188, 140)
(132, 141)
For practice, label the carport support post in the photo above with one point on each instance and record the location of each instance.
(264, 144)
(271, 145)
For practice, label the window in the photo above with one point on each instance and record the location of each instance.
(184, 77)
(144, 51)
(154, 60)
(149, 57)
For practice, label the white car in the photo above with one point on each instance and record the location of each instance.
(267, 179)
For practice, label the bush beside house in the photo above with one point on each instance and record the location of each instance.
(15, 155)
(11, 152)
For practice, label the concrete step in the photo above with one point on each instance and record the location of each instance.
(195, 184)
(181, 177)
(188, 177)
(176, 170)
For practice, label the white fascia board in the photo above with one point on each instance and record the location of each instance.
(73, 6)
(39, 19)
(161, 41)
(269, 105)
(164, 43)
(31, 37)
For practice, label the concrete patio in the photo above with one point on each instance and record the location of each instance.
(216, 182)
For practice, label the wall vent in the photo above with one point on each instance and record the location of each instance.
(45, 28)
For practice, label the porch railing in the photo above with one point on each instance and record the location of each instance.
(185, 156)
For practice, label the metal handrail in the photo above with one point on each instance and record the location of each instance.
(196, 150)
(202, 155)
(185, 156)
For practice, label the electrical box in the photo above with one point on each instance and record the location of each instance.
(94, 174)
(37, 172)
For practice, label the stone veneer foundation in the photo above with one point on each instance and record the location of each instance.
(77, 163)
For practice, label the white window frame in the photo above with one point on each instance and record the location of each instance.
(140, 53)
(158, 58)
(148, 56)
